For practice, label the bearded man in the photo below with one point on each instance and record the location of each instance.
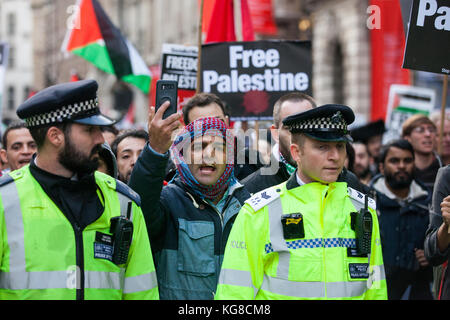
(402, 202)
(57, 214)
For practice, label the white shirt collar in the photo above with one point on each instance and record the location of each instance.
(299, 181)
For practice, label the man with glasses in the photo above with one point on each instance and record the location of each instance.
(421, 132)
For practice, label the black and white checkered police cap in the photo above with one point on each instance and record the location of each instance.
(67, 102)
(325, 123)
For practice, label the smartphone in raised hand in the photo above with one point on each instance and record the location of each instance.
(166, 90)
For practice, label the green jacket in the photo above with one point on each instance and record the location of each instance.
(260, 264)
(42, 256)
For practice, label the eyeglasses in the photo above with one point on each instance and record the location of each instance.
(422, 129)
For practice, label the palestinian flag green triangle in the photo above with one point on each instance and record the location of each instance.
(97, 40)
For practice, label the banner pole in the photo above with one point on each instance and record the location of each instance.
(199, 55)
(444, 103)
(237, 10)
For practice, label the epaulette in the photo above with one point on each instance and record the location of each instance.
(358, 199)
(128, 192)
(5, 179)
(262, 198)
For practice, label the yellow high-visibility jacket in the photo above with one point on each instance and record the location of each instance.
(260, 264)
(42, 256)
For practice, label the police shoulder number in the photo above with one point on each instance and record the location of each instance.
(262, 198)
(358, 197)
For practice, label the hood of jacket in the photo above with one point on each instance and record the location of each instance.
(418, 192)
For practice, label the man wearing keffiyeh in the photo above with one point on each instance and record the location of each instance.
(190, 218)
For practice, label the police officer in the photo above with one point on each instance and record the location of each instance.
(68, 231)
(310, 237)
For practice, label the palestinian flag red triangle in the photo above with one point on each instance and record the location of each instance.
(96, 39)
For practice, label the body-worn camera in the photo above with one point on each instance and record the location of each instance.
(293, 226)
(166, 90)
(122, 230)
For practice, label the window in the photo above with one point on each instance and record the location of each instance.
(11, 98)
(26, 92)
(11, 57)
(338, 73)
(11, 20)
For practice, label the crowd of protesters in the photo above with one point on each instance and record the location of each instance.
(189, 208)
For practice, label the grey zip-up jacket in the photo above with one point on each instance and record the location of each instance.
(432, 252)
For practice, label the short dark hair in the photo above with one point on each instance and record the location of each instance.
(12, 126)
(293, 97)
(40, 132)
(400, 144)
(202, 100)
(139, 134)
(350, 155)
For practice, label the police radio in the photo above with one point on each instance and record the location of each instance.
(122, 230)
(362, 224)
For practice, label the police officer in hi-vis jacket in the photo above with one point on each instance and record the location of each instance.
(309, 237)
(66, 230)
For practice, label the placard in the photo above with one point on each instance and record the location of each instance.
(251, 76)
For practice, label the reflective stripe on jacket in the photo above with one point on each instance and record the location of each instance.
(260, 264)
(38, 251)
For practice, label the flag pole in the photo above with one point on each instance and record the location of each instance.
(199, 55)
(444, 103)
(237, 19)
(237, 10)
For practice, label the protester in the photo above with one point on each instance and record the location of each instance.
(18, 146)
(281, 164)
(127, 147)
(57, 214)
(295, 240)
(420, 131)
(371, 135)
(246, 160)
(361, 166)
(436, 118)
(110, 133)
(402, 203)
(438, 236)
(188, 220)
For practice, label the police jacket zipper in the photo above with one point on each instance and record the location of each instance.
(79, 261)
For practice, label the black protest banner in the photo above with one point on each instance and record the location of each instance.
(251, 76)
(179, 63)
(428, 41)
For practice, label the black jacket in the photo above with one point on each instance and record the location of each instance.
(265, 178)
(403, 225)
(187, 235)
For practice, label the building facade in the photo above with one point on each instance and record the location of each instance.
(341, 54)
(16, 29)
(147, 24)
(337, 28)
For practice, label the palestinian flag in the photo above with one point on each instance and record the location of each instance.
(94, 38)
